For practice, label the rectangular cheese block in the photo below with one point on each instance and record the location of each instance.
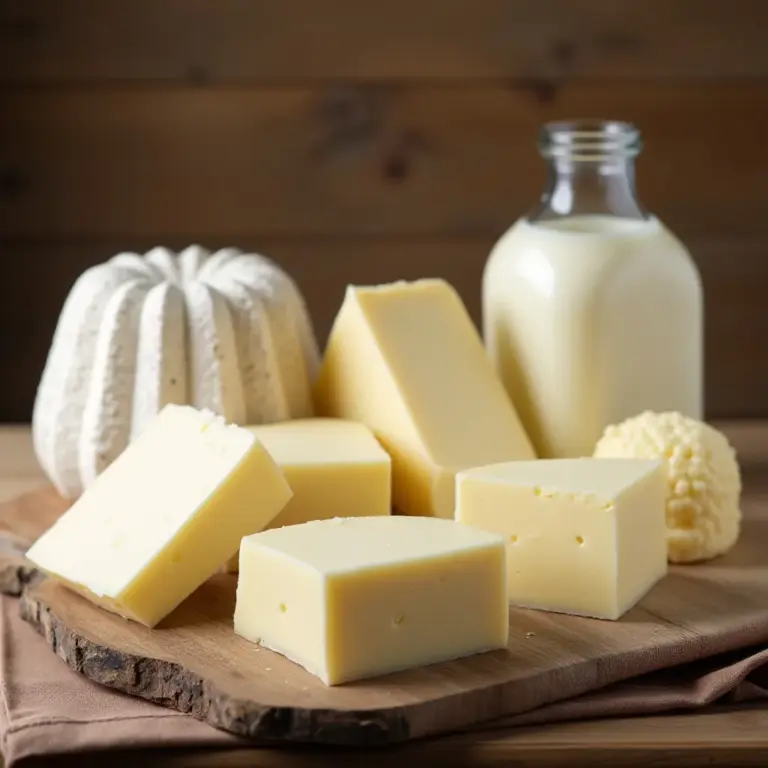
(584, 536)
(406, 360)
(165, 515)
(352, 598)
(335, 467)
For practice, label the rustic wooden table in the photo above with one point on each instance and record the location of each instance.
(729, 738)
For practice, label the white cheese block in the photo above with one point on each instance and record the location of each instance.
(165, 515)
(352, 598)
(226, 331)
(584, 536)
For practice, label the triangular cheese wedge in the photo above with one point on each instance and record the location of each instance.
(406, 360)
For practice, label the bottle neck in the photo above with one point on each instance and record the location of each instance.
(589, 173)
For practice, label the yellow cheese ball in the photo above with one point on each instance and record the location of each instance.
(704, 481)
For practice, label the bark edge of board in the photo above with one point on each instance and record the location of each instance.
(15, 570)
(170, 684)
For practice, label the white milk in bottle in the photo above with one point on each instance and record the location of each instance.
(592, 309)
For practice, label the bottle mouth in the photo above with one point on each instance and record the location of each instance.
(589, 140)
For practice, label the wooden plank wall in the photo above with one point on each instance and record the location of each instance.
(364, 141)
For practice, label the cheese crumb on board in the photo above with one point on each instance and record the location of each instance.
(358, 597)
(584, 536)
(703, 490)
(165, 515)
(335, 467)
(405, 359)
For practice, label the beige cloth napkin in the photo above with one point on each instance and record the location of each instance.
(49, 710)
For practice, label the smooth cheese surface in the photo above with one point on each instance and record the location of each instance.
(406, 360)
(321, 440)
(353, 598)
(335, 467)
(165, 515)
(584, 536)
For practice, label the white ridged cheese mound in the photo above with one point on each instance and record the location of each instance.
(226, 331)
(704, 481)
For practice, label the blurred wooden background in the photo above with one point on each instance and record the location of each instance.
(364, 141)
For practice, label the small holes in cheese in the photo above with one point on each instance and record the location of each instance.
(282, 607)
(398, 620)
(579, 540)
(513, 538)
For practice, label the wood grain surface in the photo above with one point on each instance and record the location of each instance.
(371, 160)
(193, 661)
(205, 41)
(79, 51)
(731, 738)
(364, 128)
(22, 520)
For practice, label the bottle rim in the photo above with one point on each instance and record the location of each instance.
(589, 140)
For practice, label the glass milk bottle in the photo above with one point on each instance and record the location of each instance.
(592, 309)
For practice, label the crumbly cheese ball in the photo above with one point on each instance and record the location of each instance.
(704, 481)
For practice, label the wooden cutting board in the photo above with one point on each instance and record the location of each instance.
(21, 522)
(193, 662)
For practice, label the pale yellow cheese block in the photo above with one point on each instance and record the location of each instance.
(352, 598)
(406, 360)
(584, 536)
(165, 515)
(335, 467)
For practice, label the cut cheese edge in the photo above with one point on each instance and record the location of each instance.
(335, 467)
(165, 515)
(353, 598)
(584, 536)
(406, 360)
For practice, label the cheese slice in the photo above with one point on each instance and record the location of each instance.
(352, 598)
(336, 468)
(406, 360)
(165, 515)
(584, 536)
